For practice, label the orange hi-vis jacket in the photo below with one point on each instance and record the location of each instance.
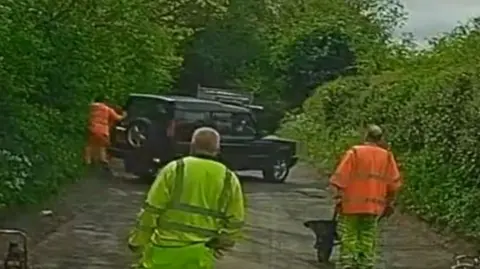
(101, 116)
(365, 176)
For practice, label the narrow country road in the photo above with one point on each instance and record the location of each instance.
(89, 226)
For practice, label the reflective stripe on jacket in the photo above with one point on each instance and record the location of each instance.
(193, 200)
(101, 117)
(365, 176)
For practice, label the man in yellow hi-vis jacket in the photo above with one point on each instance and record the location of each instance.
(193, 211)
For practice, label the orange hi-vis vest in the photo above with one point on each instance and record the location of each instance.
(365, 176)
(100, 118)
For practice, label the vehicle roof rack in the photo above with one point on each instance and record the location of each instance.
(255, 107)
(225, 96)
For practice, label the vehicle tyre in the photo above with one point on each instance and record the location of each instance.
(137, 133)
(277, 170)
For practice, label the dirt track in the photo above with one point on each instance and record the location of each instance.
(90, 224)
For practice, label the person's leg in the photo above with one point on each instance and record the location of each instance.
(88, 154)
(102, 148)
(96, 155)
(97, 149)
(347, 226)
(368, 228)
(109, 156)
(90, 149)
(103, 157)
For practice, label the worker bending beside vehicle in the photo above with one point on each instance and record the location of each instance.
(101, 119)
(365, 185)
(193, 212)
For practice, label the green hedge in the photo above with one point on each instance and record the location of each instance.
(430, 112)
(55, 58)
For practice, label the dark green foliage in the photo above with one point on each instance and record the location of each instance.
(316, 58)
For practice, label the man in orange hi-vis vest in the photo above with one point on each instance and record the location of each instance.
(365, 185)
(100, 120)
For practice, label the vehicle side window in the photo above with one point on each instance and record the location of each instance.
(187, 121)
(145, 107)
(234, 124)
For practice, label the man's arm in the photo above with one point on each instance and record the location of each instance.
(339, 180)
(114, 116)
(235, 213)
(155, 204)
(395, 180)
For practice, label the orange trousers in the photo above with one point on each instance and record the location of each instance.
(96, 149)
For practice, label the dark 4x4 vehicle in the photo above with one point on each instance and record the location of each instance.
(158, 129)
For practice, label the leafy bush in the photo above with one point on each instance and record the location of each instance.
(14, 179)
(429, 108)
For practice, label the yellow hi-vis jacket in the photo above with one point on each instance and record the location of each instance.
(192, 200)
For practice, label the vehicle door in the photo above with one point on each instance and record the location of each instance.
(239, 147)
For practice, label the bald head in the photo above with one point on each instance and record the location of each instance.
(374, 133)
(205, 140)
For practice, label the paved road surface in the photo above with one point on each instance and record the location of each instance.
(90, 224)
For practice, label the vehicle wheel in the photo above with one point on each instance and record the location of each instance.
(137, 160)
(277, 171)
(137, 133)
